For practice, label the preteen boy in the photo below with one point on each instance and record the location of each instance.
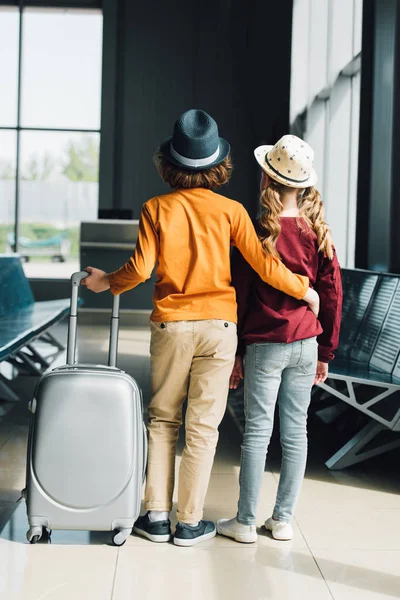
(188, 234)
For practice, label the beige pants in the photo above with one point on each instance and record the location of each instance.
(193, 360)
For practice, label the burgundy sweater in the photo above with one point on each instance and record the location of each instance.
(267, 315)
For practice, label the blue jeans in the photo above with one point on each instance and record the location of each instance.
(274, 370)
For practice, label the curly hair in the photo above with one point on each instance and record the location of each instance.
(311, 209)
(177, 177)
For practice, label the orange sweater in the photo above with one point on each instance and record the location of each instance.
(188, 233)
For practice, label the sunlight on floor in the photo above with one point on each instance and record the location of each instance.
(346, 544)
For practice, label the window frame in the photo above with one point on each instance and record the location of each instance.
(18, 128)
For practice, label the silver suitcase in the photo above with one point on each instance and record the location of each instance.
(87, 448)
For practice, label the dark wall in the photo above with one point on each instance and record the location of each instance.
(378, 214)
(54, 3)
(228, 57)
(365, 138)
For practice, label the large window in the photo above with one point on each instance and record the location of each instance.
(50, 64)
(325, 101)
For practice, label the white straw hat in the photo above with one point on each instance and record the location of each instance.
(288, 162)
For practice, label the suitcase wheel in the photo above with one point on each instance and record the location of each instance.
(34, 535)
(119, 536)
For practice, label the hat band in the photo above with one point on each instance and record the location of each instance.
(284, 176)
(194, 162)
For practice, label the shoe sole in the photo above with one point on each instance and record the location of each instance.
(244, 538)
(279, 539)
(158, 539)
(194, 541)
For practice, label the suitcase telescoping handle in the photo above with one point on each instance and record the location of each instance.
(73, 317)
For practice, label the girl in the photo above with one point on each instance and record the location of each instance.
(287, 348)
(188, 233)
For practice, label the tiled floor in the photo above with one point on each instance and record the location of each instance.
(347, 527)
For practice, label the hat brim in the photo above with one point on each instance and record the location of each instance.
(224, 150)
(260, 153)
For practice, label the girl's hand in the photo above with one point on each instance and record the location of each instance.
(237, 373)
(97, 280)
(322, 372)
(312, 300)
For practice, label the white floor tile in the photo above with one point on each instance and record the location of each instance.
(346, 493)
(12, 481)
(216, 573)
(4, 436)
(224, 489)
(361, 574)
(363, 529)
(13, 452)
(56, 572)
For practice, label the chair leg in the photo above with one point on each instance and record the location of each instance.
(37, 357)
(330, 414)
(27, 363)
(6, 393)
(48, 338)
(352, 452)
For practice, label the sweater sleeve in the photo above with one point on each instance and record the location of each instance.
(270, 269)
(141, 264)
(329, 288)
(242, 280)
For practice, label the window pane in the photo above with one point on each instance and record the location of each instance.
(58, 189)
(8, 150)
(316, 137)
(61, 69)
(318, 47)
(9, 32)
(299, 69)
(337, 165)
(358, 9)
(341, 48)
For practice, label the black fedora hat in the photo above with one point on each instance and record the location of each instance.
(195, 144)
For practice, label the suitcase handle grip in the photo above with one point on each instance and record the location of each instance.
(84, 366)
(77, 277)
(72, 327)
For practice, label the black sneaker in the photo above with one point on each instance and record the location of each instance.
(185, 535)
(157, 531)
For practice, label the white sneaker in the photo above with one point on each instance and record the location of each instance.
(281, 530)
(246, 534)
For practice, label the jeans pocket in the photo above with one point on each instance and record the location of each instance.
(268, 357)
(309, 342)
(309, 355)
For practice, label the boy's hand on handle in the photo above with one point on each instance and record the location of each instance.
(97, 280)
(322, 372)
(237, 373)
(312, 300)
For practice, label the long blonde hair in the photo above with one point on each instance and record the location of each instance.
(311, 209)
